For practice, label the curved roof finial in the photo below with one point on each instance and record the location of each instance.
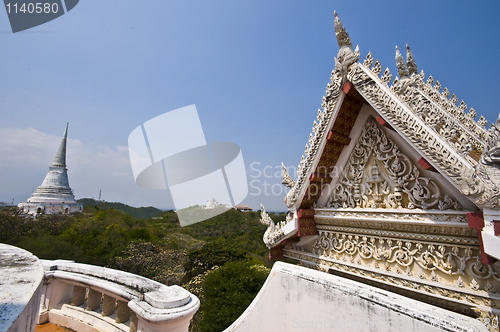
(346, 56)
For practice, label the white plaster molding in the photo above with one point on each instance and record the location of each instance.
(491, 244)
(157, 307)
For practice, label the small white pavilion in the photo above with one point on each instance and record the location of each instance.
(54, 195)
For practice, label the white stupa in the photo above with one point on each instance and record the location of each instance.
(55, 194)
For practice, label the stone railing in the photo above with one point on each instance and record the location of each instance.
(21, 280)
(91, 298)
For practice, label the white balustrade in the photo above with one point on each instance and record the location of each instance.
(92, 298)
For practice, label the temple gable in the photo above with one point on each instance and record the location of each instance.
(378, 175)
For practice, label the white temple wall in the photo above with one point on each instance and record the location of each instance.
(295, 298)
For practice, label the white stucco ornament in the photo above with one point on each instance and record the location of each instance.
(171, 297)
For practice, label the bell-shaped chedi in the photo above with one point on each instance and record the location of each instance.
(54, 194)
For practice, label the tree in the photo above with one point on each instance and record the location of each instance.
(216, 253)
(153, 261)
(228, 291)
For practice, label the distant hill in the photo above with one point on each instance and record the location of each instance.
(141, 213)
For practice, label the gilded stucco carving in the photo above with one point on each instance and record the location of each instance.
(442, 144)
(403, 214)
(405, 255)
(404, 235)
(489, 319)
(379, 175)
(411, 277)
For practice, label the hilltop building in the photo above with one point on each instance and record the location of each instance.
(398, 189)
(54, 195)
(243, 208)
(212, 204)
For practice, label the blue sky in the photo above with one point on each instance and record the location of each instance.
(256, 70)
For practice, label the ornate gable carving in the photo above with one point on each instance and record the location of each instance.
(379, 175)
(450, 121)
(476, 182)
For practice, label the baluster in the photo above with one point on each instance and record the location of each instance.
(122, 312)
(108, 305)
(78, 295)
(93, 300)
(133, 322)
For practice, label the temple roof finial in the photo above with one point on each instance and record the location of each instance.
(341, 34)
(346, 56)
(410, 62)
(60, 160)
(400, 63)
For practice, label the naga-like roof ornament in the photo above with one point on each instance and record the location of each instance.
(400, 63)
(346, 55)
(408, 68)
(410, 62)
(287, 179)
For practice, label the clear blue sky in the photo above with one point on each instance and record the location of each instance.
(256, 70)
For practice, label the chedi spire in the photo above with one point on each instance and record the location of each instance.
(60, 160)
(54, 195)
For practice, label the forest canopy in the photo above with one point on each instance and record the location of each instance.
(222, 255)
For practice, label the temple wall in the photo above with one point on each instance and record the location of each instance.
(295, 298)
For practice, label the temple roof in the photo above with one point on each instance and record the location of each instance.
(388, 161)
(419, 110)
(458, 152)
